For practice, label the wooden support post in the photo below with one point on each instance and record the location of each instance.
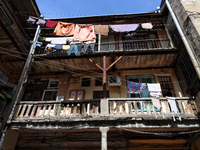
(104, 78)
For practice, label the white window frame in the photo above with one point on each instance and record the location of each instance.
(48, 90)
(95, 80)
(50, 84)
(85, 86)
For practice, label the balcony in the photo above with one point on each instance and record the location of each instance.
(118, 46)
(97, 108)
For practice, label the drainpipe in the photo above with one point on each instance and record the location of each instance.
(21, 81)
(187, 46)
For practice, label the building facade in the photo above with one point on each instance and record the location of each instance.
(88, 99)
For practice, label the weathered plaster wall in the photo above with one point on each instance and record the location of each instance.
(121, 92)
(188, 15)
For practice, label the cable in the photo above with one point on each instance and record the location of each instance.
(65, 69)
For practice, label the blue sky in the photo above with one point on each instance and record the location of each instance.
(81, 8)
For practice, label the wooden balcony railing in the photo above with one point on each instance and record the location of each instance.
(145, 44)
(43, 109)
(120, 107)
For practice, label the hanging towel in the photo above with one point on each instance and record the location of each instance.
(51, 23)
(101, 29)
(31, 20)
(172, 103)
(124, 27)
(84, 32)
(41, 22)
(64, 29)
(134, 87)
(154, 87)
(147, 25)
(156, 103)
(66, 47)
(58, 40)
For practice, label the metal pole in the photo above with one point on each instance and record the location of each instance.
(104, 78)
(188, 48)
(20, 82)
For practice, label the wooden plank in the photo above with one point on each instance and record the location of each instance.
(159, 141)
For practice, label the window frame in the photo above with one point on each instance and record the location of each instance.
(82, 79)
(50, 84)
(49, 90)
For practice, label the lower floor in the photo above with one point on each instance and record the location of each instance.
(103, 138)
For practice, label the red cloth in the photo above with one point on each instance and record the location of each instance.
(51, 23)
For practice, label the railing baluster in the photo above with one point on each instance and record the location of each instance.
(69, 110)
(148, 108)
(58, 109)
(17, 110)
(64, 111)
(22, 112)
(43, 110)
(123, 108)
(91, 108)
(111, 107)
(38, 110)
(33, 111)
(130, 108)
(28, 111)
(49, 110)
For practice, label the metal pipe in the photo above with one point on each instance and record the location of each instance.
(23, 76)
(187, 46)
(104, 78)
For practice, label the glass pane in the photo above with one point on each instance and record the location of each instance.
(85, 82)
(36, 95)
(27, 96)
(50, 95)
(98, 81)
(54, 84)
(40, 85)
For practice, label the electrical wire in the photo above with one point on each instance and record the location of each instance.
(65, 69)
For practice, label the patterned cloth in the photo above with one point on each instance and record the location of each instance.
(134, 87)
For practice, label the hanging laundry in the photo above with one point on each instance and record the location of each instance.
(174, 109)
(76, 49)
(154, 87)
(38, 44)
(86, 46)
(60, 40)
(51, 23)
(101, 29)
(147, 25)
(66, 47)
(41, 22)
(58, 46)
(124, 27)
(128, 34)
(84, 32)
(155, 92)
(31, 19)
(135, 88)
(156, 103)
(64, 29)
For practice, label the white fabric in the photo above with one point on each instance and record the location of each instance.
(172, 103)
(57, 40)
(147, 25)
(50, 45)
(154, 87)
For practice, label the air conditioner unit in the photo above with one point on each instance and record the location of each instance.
(114, 81)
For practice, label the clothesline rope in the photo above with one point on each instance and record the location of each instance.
(71, 66)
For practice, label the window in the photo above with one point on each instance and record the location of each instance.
(50, 95)
(147, 78)
(98, 81)
(34, 90)
(166, 86)
(85, 82)
(53, 84)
